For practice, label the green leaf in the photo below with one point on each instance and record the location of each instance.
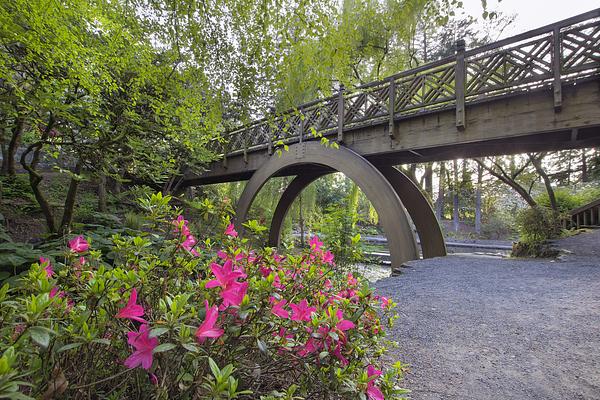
(40, 335)
(156, 332)
(69, 346)
(262, 346)
(214, 368)
(164, 347)
(191, 347)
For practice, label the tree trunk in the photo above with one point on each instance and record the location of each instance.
(537, 163)
(102, 206)
(301, 220)
(584, 168)
(429, 179)
(15, 139)
(510, 182)
(455, 197)
(439, 204)
(478, 199)
(67, 218)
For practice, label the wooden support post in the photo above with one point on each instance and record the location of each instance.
(246, 149)
(556, 66)
(340, 107)
(459, 81)
(392, 107)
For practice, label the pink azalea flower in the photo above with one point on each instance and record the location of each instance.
(56, 291)
(189, 243)
(225, 275)
(311, 346)
(337, 352)
(234, 294)
(343, 324)
(79, 244)
(144, 345)
(385, 302)
(301, 311)
(207, 328)
(222, 255)
(44, 262)
(132, 310)
(352, 281)
(315, 244)
(373, 392)
(277, 282)
(278, 309)
(328, 257)
(181, 226)
(230, 231)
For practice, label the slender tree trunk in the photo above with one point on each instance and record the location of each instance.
(301, 220)
(67, 218)
(102, 206)
(429, 179)
(537, 163)
(439, 204)
(478, 199)
(584, 167)
(455, 196)
(570, 169)
(13, 145)
(3, 146)
(35, 178)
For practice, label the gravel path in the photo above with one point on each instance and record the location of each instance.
(485, 328)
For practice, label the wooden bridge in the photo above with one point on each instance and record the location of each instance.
(538, 91)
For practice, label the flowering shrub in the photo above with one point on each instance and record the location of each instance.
(173, 317)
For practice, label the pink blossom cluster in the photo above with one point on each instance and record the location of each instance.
(189, 241)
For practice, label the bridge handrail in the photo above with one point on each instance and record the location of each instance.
(585, 207)
(523, 62)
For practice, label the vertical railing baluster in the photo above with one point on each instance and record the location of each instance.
(301, 138)
(341, 114)
(459, 83)
(270, 123)
(556, 64)
(391, 107)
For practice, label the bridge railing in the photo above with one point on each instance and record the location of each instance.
(585, 216)
(545, 57)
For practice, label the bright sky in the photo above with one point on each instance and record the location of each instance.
(532, 14)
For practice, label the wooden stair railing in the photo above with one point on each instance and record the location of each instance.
(586, 216)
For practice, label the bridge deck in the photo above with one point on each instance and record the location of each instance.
(536, 91)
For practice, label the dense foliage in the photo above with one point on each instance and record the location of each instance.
(173, 316)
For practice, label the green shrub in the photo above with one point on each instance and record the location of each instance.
(168, 318)
(566, 200)
(496, 227)
(537, 224)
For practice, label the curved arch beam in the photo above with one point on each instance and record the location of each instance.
(287, 198)
(376, 187)
(430, 233)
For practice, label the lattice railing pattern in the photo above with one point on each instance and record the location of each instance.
(513, 65)
(528, 62)
(581, 48)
